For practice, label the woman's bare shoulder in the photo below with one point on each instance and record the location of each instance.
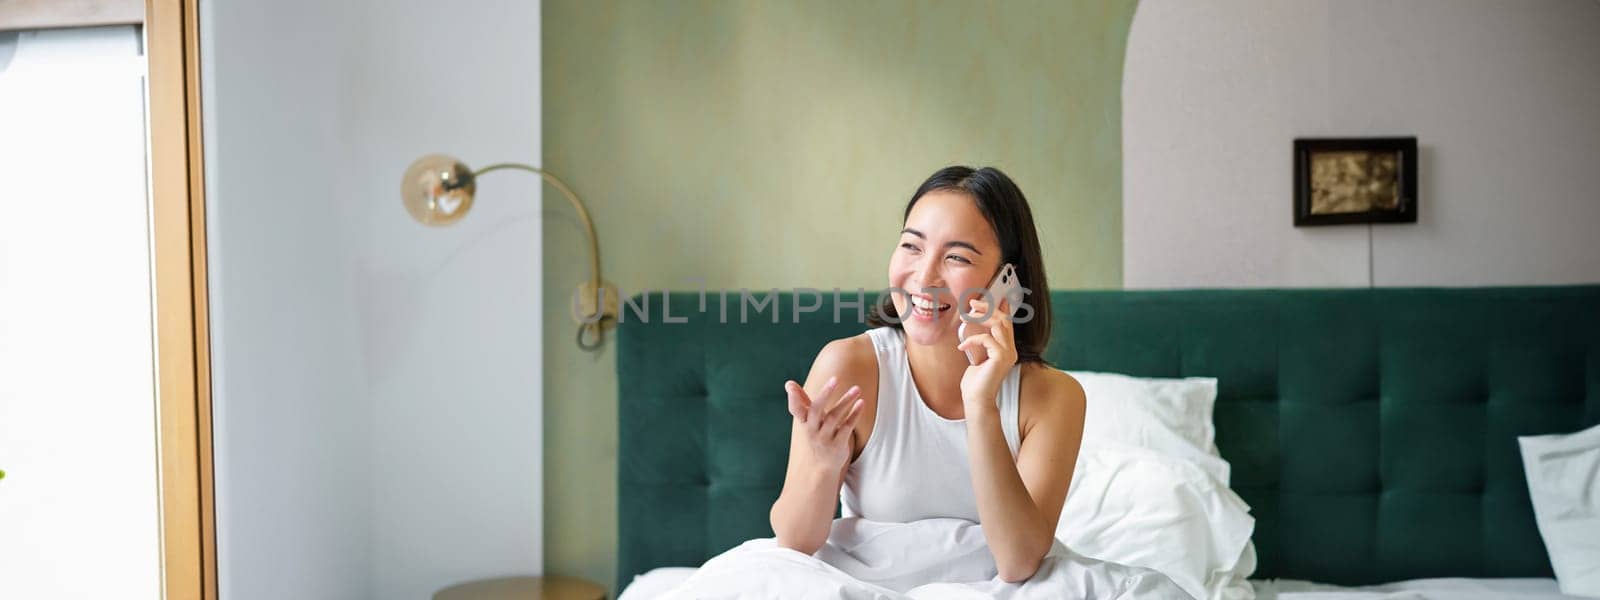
(854, 361)
(846, 356)
(1043, 380)
(1050, 395)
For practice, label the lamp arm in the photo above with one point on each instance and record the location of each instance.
(583, 213)
(597, 327)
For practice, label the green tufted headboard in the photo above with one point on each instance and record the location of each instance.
(1372, 431)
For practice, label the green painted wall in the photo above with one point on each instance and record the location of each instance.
(773, 144)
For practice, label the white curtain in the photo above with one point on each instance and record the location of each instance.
(78, 505)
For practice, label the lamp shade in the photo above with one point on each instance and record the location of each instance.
(437, 189)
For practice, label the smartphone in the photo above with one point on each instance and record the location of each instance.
(1004, 287)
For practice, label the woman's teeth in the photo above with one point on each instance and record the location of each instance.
(926, 306)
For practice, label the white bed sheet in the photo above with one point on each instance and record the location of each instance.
(1448, 588)
(656, 582)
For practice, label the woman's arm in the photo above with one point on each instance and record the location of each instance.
(821, 442)
(1020, 503)
(803, 513)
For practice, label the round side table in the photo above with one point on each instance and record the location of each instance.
(550, 587)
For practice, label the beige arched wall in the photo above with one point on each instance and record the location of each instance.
(1501, 96)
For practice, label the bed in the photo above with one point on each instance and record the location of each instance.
(1372, 431)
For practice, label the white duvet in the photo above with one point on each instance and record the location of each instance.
(653, 584)
(871, 560)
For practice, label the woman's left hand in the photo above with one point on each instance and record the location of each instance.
(980, 385)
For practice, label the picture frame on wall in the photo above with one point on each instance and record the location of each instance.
(1340, 181)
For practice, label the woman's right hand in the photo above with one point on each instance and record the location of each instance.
(827, 421)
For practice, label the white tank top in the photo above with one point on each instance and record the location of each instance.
(915, 465)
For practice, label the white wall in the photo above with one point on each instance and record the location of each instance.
(451, 323)
(378, 412)
(1502, 97)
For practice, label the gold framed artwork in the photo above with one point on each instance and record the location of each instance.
(1340, 181)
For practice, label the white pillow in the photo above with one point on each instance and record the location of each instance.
(1564, 483)
(1150, 488)
(1170, 416)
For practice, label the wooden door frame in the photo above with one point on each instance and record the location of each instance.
(182, 332)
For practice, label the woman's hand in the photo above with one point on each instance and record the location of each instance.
(980, 385)
(828, 423)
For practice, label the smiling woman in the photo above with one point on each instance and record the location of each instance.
(1011, 230)
(946, 440)
(919, 446)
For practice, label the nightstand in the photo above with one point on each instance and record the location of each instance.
(550, 587)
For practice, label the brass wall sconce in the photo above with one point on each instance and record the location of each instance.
(438, 190)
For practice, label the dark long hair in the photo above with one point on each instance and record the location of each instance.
(1006, 209)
